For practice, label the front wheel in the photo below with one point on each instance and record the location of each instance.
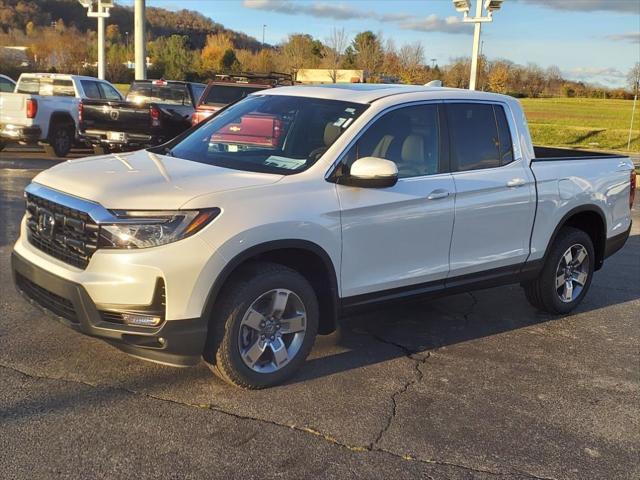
(566, 275)
(263, 326)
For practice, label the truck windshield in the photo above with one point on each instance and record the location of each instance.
(167, 93)
(269, 133)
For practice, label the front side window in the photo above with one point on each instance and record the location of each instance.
(408, 136)
(108, 92)
(270, 133)
(479, 135)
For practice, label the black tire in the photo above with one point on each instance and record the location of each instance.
(253, 282)
(2, 145)
(61, 139)
(542, 292)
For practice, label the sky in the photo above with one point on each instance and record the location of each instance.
(596, 41)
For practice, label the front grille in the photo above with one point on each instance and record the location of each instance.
(49, 300)
(62, 232)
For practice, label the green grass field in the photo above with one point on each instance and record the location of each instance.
(583, 122)
(123, 87)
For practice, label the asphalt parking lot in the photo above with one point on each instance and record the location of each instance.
(474, 386)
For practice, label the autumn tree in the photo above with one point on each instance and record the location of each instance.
(214, 50)
(368, 51)
(333, 49)
(498, 78)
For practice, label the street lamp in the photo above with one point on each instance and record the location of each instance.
(99, 9)
(464, 6)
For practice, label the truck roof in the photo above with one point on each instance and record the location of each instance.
(57, 76)
(370, 92)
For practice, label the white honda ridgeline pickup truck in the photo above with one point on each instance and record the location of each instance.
(244, 237)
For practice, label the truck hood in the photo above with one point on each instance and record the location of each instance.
(144, 180)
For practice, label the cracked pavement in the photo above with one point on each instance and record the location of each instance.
(474, 386)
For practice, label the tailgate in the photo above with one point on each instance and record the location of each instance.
(112, 116)
(13, 109)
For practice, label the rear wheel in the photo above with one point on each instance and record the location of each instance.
(61, 139)
(263, 327)
(566, 275)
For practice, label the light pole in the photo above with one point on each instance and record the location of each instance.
(636, 85)
(464, 6)
(100, 12)
(139, 40)
(264, 27)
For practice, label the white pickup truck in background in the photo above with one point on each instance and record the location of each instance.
(46, 109)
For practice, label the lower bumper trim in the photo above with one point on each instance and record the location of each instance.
(614, 244)
(175, 342)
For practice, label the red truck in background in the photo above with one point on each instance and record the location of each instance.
(260, 130)
(227, 89)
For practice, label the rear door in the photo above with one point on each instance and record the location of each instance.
(495, 190)
(399, 237)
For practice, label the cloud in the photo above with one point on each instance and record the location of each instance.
(632, 37)
(339, 11)
(620, 6)
(603, 75)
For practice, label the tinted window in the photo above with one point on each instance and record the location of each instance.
(90, 89)
(480, 136)
(504, 136)
(108, 92)
(151, 92)
(408, 136)
(226, 94)
(6, 85)
(271, 133)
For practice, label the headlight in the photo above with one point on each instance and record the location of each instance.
(139, 229)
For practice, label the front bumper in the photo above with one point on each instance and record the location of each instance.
(174, 342)
(20, 134)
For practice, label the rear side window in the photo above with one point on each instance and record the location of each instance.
(46, 86)
(219, 95)
(90, 89)
(167, 93)
(480, 136)
(197, 90)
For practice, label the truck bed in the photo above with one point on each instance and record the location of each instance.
(554, 154)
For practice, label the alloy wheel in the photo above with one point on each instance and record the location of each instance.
(572, 273)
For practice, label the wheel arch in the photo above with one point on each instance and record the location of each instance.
(307, 258)
(60, 116)
(591, 220)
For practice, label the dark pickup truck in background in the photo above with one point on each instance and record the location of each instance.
(153, 112)
(227, 89)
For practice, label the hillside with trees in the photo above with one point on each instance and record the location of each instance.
(187, 45)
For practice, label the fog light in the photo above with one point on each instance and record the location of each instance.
(141, 320)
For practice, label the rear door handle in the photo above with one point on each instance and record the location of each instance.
(437, 194)
(516, 182)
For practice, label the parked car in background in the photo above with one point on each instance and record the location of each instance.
(227, 89)
(153, 112)
(237, 244)
(7, 84)
(46, 109)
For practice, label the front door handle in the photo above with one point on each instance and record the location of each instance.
(437, 194)
(516, 182)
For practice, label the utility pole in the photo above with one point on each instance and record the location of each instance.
(263, 29)
(140, 44)
(635, 100)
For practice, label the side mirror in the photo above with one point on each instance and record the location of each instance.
(371, 172)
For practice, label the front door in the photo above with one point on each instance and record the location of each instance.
(399, 236)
